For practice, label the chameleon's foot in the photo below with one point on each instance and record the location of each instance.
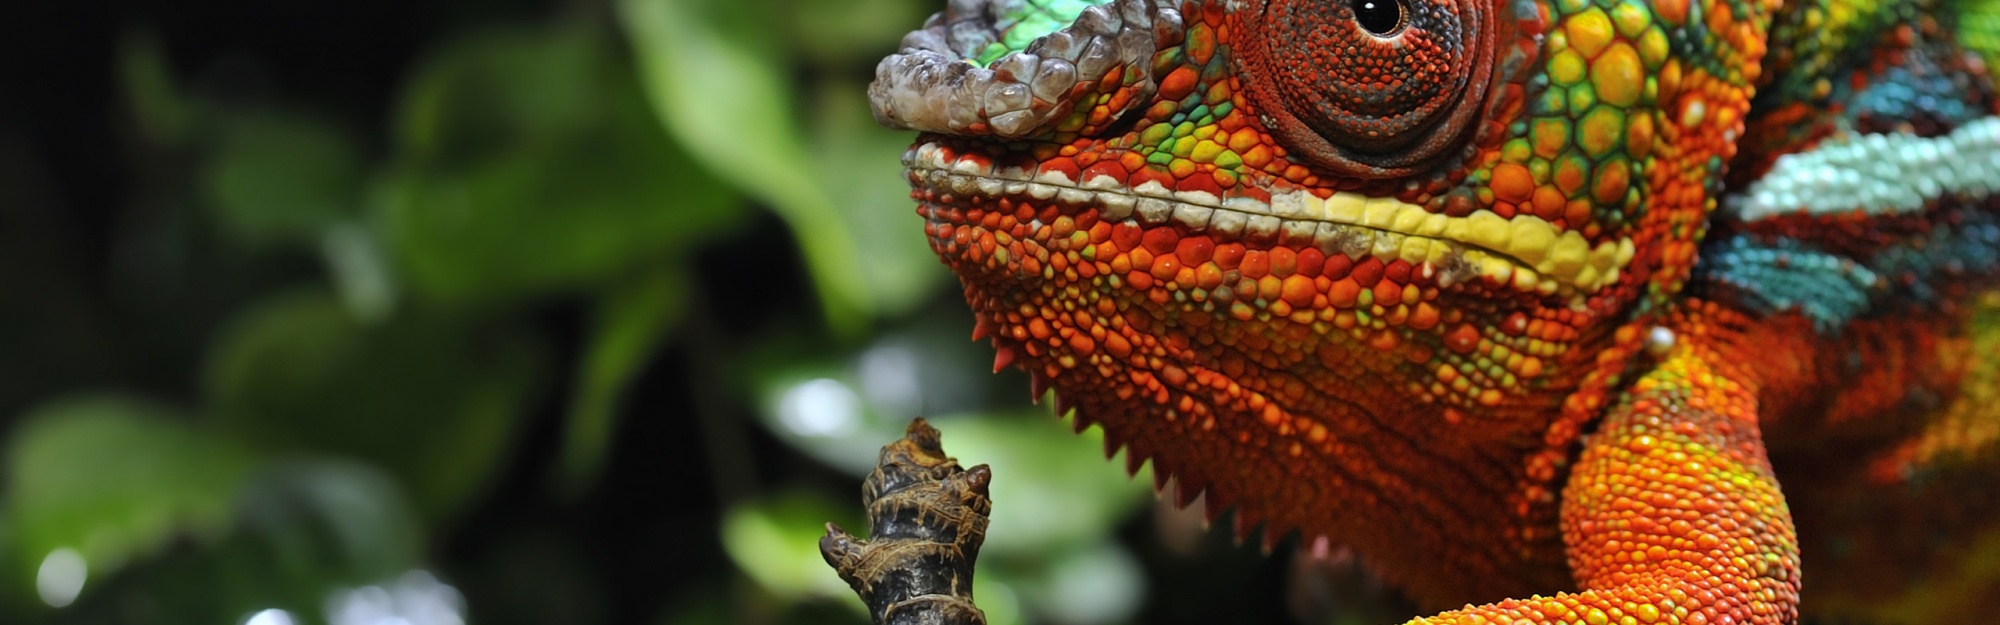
(928, 518)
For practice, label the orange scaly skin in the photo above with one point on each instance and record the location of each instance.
(1539, 298)
(1672, 513)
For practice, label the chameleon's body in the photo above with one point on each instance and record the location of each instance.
(1524, 301)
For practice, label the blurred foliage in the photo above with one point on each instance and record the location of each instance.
(168, 479)
(719, 76)
(633, 282)
(431, 398)
(527, 162)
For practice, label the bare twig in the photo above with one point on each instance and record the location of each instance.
(927, 518)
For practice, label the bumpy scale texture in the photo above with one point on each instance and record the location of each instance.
(1672, 513)
(1532, 303)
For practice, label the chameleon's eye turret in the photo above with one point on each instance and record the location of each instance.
(1370, 88)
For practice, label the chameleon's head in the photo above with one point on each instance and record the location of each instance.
(1280, 219)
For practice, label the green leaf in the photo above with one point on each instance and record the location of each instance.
(712, 70)
(505, 88)
(435, 399)
(719, 81)
(297, 531)
(628, 323)
(529, 163)
(111, 479)
(278, 177)
(860, 166)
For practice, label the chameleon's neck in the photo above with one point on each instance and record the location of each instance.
(1818, 386)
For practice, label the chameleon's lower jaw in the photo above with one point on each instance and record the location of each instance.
(1347, 296)
(1260, 365)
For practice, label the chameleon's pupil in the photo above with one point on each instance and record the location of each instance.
(1379, 17)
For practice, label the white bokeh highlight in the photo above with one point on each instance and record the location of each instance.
(61, 576)
(272, 616)
(821, 407)
(416, 598)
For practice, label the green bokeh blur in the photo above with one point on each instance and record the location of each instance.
(504, 312)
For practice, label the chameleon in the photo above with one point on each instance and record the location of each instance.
(1550, 311)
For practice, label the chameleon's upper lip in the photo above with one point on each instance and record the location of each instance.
(935, 82)
(1525, 251)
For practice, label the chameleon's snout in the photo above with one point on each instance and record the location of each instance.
(1011, 68)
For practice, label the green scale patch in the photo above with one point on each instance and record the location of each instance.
(1021, 22)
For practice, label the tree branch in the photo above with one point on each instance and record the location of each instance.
(927, 518)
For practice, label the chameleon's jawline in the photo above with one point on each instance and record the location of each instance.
(1530, 254)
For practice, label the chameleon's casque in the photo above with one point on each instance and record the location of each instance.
(1516, 299)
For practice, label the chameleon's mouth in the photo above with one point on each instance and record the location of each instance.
(1003, 68)
(1526, 252)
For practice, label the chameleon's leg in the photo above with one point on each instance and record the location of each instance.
(1672, 514)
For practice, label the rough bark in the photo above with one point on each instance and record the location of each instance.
(927, 518)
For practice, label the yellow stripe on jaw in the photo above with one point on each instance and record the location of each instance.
(1551, 255)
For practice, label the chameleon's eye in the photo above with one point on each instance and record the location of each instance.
(1381, 18)
(1370, 87)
